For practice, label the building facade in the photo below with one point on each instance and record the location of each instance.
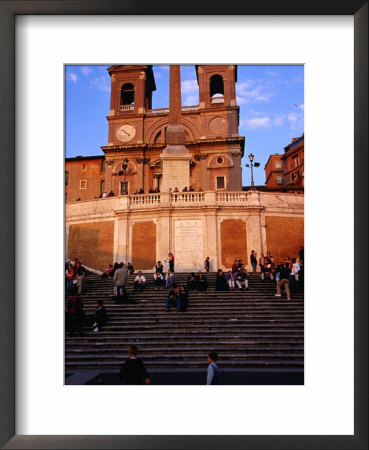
(286, 171)
(138, 132)
(216, 218)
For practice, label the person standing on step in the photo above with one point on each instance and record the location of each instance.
(213, 370)
(207, 264)
(75, 313)
(295, 273)
(262, 264)
(169, 279)
(80, 274)
(253, 260)
(133, 370)
(284, 280)
(120, 279)
(170, 261)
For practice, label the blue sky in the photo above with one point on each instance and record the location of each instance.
(271, 100)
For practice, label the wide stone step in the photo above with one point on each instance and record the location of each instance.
(249, 328)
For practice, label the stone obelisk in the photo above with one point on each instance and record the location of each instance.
(175, 157)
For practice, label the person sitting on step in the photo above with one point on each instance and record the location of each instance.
(230, 280)
(241, 278)
(158, 280)
(140, 282)
(173, 298)
(100, 316)
(191, 281)
(220, 281)
(235, 266)
(159, 267)
(202, 282)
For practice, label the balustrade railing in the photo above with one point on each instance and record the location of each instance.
(166, 110)
(187, 197)
(127, 107)
(231, 197)
(217, 100)
(144, 199)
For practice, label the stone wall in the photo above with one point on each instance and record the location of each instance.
(144, 245)
(224, 226)
(92, 243)
(285, 235)
(233, 241)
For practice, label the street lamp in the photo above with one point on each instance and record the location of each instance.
(124, 172)
(252, 165)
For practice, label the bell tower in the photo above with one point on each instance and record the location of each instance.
(130, 98)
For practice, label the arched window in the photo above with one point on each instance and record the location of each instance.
(216, 89)
(127, 96)
(66, 178)
(102, 187)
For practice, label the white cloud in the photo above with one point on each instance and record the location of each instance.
(102, 83)
(278, 121)
(86, 70)
(292, 118)
(256, 122)
(271, 73)
(241, 101)
(248, 92)
(191, 100)
(189, 86)
(71, 76)
(296, 120)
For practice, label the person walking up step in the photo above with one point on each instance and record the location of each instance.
(284, 280)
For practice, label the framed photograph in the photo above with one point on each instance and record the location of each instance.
(38, 41)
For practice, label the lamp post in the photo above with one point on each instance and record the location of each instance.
(252, 165)
(124, 171)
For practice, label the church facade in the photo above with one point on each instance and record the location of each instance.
(196, 150)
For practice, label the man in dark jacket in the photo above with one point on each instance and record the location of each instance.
(133, 370)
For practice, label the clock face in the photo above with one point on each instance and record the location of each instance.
(126, 132)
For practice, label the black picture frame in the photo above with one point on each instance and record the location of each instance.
(8, 11)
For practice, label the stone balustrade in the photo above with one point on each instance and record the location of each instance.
(186, 200)
(166, 110)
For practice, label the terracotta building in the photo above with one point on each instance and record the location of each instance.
(138, 132)
(286, 171)
(274, 171)
(293, 159)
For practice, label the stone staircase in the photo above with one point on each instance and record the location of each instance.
(250, 329)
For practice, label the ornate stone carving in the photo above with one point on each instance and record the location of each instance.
(142, 160)
(201, 156)
(109, 162)
(236, 154)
